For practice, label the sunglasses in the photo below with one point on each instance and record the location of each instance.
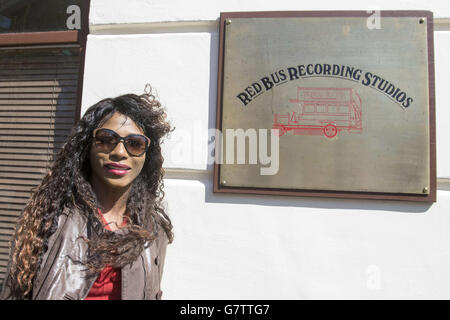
(106, 140)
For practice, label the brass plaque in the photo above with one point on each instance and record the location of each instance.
(349, 99)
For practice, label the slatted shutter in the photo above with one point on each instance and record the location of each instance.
(38, 98)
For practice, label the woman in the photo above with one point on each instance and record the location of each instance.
(95, 228)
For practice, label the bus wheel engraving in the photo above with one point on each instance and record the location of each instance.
(330, 131)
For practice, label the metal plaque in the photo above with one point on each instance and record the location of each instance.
(327, 103)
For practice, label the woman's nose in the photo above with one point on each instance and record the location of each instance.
(119, 150)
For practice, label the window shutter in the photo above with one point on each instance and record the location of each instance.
(38, 98)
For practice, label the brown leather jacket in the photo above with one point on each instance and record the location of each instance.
(61, 276)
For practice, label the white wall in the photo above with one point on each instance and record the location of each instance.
(265, 247)
(143, 11)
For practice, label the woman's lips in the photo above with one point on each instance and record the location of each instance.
(117, 168)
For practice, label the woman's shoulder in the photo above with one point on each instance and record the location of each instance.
(162, 239)
(71, 223)
(75, 216)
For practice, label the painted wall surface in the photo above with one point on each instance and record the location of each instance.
(143, 11)
(265, 247)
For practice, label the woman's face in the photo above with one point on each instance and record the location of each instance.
(116, 169)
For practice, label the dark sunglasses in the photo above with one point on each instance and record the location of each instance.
(106, 140)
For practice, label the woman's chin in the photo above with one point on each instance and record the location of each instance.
(117, 183)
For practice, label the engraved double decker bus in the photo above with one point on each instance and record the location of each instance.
(322, 111)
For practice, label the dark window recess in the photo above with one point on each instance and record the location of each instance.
(38, 99)
(35, 15)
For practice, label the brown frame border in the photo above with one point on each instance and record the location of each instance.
(430, 197)
(34, 38)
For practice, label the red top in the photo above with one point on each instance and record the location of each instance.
(109, 281)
